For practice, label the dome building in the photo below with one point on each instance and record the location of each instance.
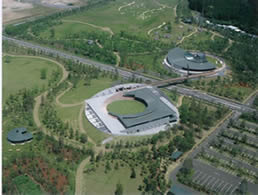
(182, 62)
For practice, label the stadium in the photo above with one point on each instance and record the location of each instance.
(158, 113)
(184, 62)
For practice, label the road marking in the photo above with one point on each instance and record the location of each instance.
(230, 185)
(224, 187)
(197, 175)
(206, 179)
(216, 181)
(218, 186)
(234, 189)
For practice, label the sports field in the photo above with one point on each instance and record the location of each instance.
(126, 107)
(24, 72)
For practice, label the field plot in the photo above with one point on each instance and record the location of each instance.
(25, 72)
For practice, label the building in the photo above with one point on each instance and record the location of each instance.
(19, 135)
(185, 62)
(176, 155)
(159, 111)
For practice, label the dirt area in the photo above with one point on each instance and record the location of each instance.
(20, 9)
(59, 2)
(13, 10)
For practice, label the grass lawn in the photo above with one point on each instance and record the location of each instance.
(137, 18)
(70, 115)
(214, 61)
(66, 28)
(24, 72)
(82, 92)
(126, 107)
(25, 185)
(99, 182)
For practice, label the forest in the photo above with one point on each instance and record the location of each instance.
(242, 13)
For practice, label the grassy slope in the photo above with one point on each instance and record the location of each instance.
(67, 28)
(129, 18)
(100, 182)
(24, 72)
(126, 107)
(82, 92)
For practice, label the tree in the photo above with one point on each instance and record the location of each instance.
(187, 166)
(43, 73)
(133, 174)
(119, 189)
(243, 187)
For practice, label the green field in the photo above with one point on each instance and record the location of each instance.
(82, 92)
(62, 31)
(26, 186)
(126, 107)
(102, 183)
(131, 18)
(24, 72)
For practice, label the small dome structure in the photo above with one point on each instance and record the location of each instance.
(19, 135)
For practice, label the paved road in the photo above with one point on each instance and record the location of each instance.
(205, 144)
(213, 99)
(54, 52)
(128, 74)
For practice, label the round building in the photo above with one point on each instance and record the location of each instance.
(184, 62)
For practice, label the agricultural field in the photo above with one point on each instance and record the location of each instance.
(25, 72)
(121, 107)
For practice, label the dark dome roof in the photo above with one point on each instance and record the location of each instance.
(19, 135)
(185, 60)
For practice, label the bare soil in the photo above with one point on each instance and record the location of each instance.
(13, 10)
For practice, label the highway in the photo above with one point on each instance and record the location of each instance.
(129, 74)
(213, 99)
(54, 52)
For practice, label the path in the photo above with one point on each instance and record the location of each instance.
(187, 36)
(118, 59)
(79, 177)
(103, 28)
(142, 15)
(173, 166)
(175, 10)
(158, 27)
(180, 101)
(123, 6)
(66, 105)
(229, 45)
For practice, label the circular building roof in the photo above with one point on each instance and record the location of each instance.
(181, 59)
(19, 135)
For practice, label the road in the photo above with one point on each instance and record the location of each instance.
(213, 99)
(234, 116)
(129, 74)
(54, 52)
